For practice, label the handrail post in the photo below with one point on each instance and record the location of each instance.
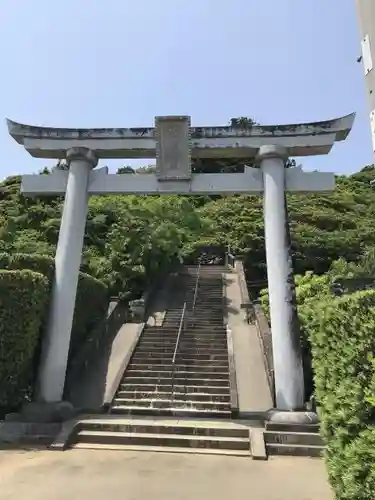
(196, 288)
(177, 342)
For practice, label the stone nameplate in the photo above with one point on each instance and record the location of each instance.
(173, 151)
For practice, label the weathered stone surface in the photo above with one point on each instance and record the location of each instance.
(47, 412)
(235, 142)
(173, 155)
(28, 432)
(292, 417)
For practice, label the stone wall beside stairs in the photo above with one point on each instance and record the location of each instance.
(254, 394)
(92, 387)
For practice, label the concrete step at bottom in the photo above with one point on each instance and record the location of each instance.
(295, 450)
(169, 440)
(161, 449)
(187, 427)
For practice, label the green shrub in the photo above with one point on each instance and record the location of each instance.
(91, 300)
(23, 299)
(352, 468)
(38, 263)
(342, 336)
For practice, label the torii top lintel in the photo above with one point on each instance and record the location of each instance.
(303, 139)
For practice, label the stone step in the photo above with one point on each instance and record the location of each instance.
(155, 402)
(202, 324)
(216, 372)
(205, 308)
(165, 329)
(168, 388)
(187, 330)
(183, 347)
(185, 336)
(215, 342)
(297, 450)
(186, 376)
(189, 351)
(172, 411)
(170, 440)
(293, 438)
(191, 380)
(166, 426)
(305, 428)
(199, 319)
(164, 363)
(216, 304)
(181, 356)
(174, 395)
(162, 449)
(218, 345)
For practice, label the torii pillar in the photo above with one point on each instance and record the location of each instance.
(173, 143)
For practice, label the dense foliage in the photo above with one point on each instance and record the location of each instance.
(338, 336)
(342, 336)
(23, 298)
(128, 238)
(26, 283)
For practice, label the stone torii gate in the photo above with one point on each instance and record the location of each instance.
(173, 142)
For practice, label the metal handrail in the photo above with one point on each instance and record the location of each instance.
(179, 333)
(196, 288)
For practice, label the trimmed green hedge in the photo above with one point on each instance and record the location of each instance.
(92, 294)
(91, 308)
(23, 298)
(342, 335)
(38, 263)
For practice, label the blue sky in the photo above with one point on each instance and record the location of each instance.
(114, 63)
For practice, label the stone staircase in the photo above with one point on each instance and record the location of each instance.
(184, 404)
(163, 434)
(156, 388)
(197, 383)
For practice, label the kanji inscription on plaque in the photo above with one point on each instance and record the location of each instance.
(173, 153)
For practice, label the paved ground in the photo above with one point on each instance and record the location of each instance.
(97, 475)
